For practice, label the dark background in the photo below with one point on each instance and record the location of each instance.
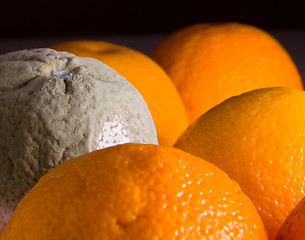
(40, 18)
(141, 25)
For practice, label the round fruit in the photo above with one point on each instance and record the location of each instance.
(135, 191)
(293, 227)
(209, 63)
(258, 139)
(55, 106)
(157, 89)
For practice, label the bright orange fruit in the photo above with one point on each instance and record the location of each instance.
(293, 227)
(135, 191)
(160, 94)
(258, 139)
(209, 63)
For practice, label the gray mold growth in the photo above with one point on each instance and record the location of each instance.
(42, 126)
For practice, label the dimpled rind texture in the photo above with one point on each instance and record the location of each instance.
(139, 192)
(210, 62)
(258, 139)
(55, 106)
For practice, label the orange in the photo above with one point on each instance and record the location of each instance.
(209, 63)
(135, 191)
(157, 89)
(258, 139)
(293, 227)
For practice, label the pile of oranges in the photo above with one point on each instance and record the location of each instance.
(229, 108)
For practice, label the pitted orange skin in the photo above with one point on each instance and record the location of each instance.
(210, 62)
(258, 139)
(135, 191)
